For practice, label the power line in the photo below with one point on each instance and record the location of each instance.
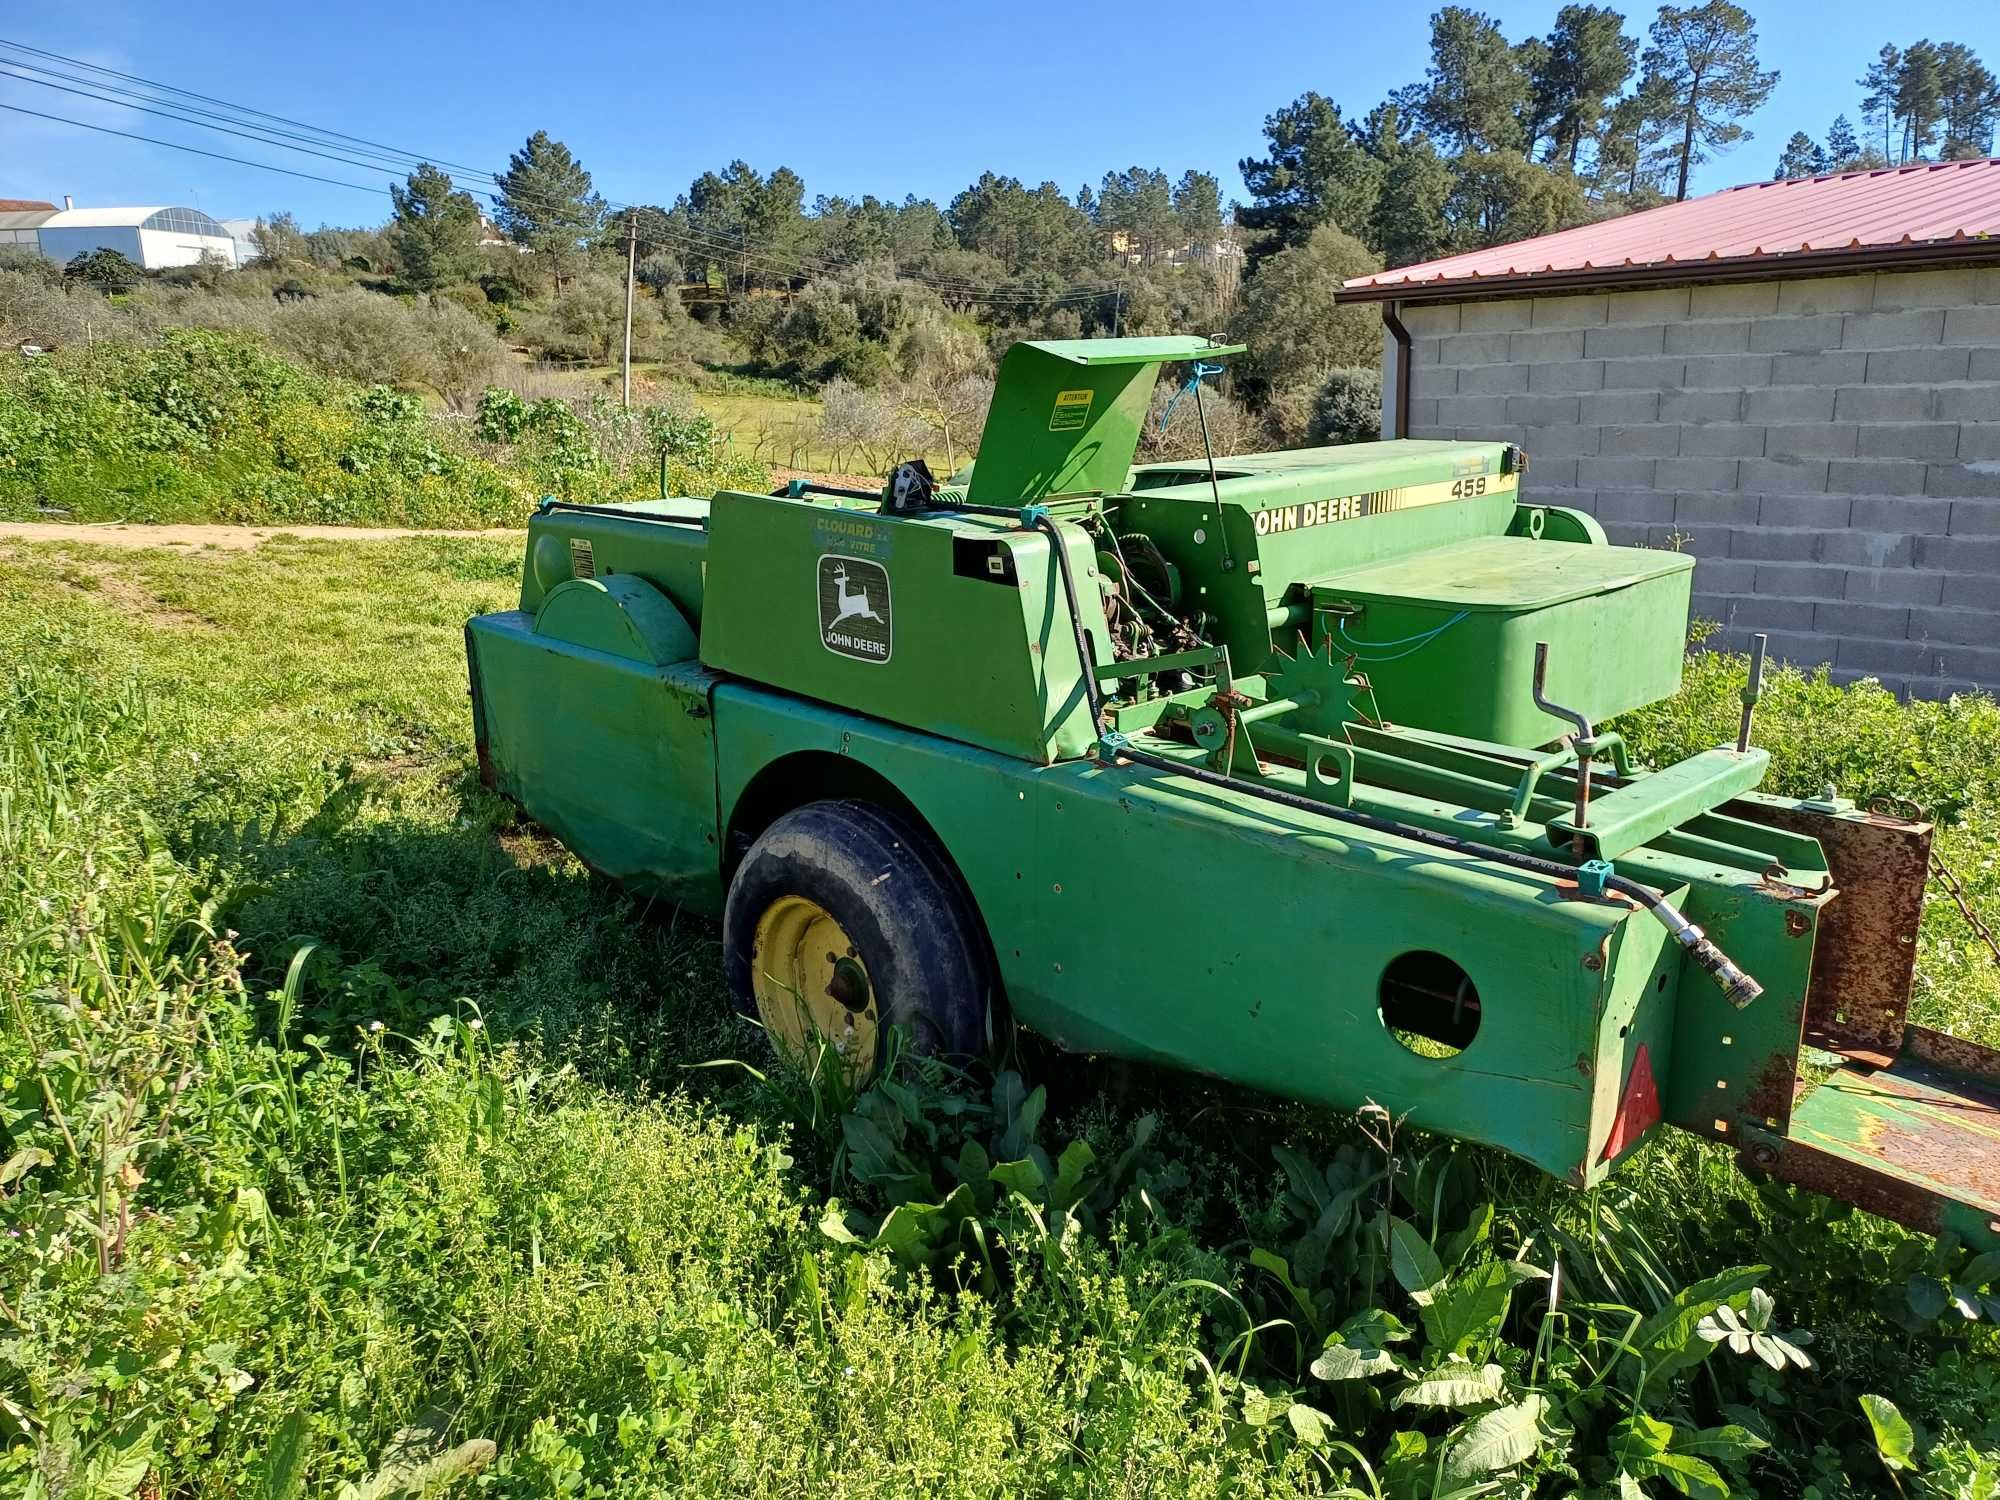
(240, 161)
(955, 288)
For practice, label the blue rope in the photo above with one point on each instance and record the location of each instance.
(1203, 370)
(1416, 642)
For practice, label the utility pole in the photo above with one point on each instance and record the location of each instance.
(631, 264)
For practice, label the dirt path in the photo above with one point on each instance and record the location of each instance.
(226, 538)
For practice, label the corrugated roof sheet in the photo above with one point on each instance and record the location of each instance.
(1868, 214)
(33, 218)
(102, 218)
(24, 206)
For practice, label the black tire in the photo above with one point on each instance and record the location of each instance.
(891, 890)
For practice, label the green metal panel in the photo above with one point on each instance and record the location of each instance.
(669, 556)
(1066, 414)
(1660, 801)
(612, 752)
(979, 646)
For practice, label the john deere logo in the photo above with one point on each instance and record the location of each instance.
(854, 607)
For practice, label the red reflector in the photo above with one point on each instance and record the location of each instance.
(1639, 1110)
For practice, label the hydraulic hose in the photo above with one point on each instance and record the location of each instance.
(1738, 987)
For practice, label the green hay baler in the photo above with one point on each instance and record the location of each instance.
(1284, 768)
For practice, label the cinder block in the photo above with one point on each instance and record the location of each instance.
(1697, 474)
(1643, 507)
(1977, 518)
(1957, 627)
(1973, 481)
(1587, 310)
(1920, 440)
(1979, 440)
(1986, 286)
(1960, 554)
(1476, 348)
(1661, 305)
(1893, 586)
(1812, 440)
(1979, 664)
(1643, 374)
(1626, 534)
(1788, 403)
(1893, 330)
(1889, 682)
(1555, 479)
(1757, 612)
(1492, 380)
(1714, 508)
(1885, 622)
(1867, 549)
(1911, 513)
(1972, 325)
(1776, 544)
(1428, 352)
(1967, 590)
(1432, 380)
(1776, 476)
(1747, 299)
(1942, 288)
(1804, 510)
(1620, 406)
(1502, 316)
(1826, 294)
(1541, 411)
(1908, 657)
(1882, 403)
(1966, 403)
(1701, 406)
(1716, 575)
(1983, 364)
(1430, 319)
(1796, 335)
(1566, 375)
(1558, 440)
(1641, 440)
(1615, 473)
(1472, 411)
(1836, 367)
(1429, 430)
(1545, 345)
(1690, 541)
(1721, 336)
(1736, 371)
(1722, 440)
(1881, 476)
(1918, 366)
(1624, 340)
(1799, 581)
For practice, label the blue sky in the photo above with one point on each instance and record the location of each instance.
(856, 97)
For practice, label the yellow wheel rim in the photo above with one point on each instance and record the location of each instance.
(811, 987)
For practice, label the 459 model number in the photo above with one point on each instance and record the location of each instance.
(1465, 489)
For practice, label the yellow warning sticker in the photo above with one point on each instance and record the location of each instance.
(1072, 411)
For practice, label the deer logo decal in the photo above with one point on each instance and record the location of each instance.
(854, 615)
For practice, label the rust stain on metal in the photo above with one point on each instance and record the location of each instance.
(1941, 1050)
(1865, 1187)
(1770, 1097)
(1866, 952)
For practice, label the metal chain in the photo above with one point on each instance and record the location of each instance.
(1942, 874)
(1955, 888)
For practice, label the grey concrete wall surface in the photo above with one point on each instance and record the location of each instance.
(1828, 449)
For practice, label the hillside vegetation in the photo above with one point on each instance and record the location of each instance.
(356, 1139)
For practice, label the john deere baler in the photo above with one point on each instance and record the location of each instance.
(1285, 768)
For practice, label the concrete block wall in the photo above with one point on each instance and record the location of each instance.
(1827, 448)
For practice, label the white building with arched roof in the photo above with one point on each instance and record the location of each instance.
(150, 237)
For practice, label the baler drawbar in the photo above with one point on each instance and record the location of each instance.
(1286, 768)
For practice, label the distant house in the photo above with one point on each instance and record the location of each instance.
(243, 233)
(1797, 382)
(152, 238)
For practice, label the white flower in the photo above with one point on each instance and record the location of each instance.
(475, 1024)
(375, 1028)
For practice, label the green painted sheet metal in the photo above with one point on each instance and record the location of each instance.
(1508, 573)
(668, 555)
(968, 631)
(1650, 805)
(1065, 415)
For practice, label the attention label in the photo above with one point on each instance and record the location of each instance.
(854, 616)
(1072, 411)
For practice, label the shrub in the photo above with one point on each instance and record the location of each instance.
(1347, 408)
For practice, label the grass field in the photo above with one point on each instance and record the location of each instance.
(358, 1143)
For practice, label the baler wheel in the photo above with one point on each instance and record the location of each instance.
(841, 921)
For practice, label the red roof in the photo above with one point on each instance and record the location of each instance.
(23, 206)
(1920, 213)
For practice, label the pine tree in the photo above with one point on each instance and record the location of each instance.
(546, 202)
(1802, 157)
(436, 232)
(1585, 63)
(1703, 67)
(1919, 98)
(1475, 91)
(1878, 104)
(1971, 102)
(1842, 149)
